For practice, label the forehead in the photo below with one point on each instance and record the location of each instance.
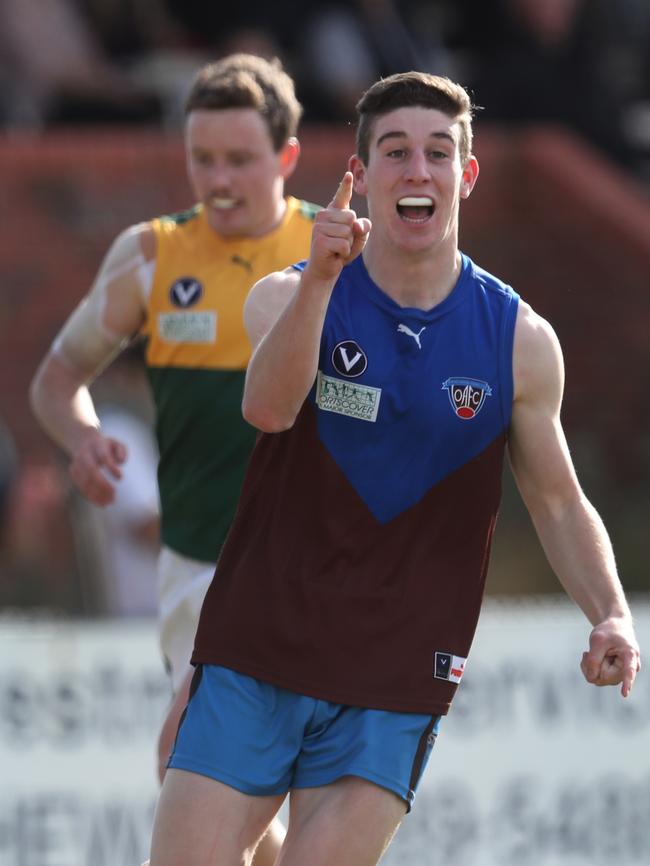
(227, 129)
(415, 123)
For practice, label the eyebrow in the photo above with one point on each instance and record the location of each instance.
(447, 136)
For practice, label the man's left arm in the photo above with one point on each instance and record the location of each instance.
(572, 534)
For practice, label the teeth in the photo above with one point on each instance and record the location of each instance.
(415, 201)
(223, 203)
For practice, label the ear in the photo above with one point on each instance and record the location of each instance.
(469, 178)
(289, 157)
(358, 169)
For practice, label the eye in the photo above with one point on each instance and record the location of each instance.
(397, 153)
(240, 159)
(438, 154)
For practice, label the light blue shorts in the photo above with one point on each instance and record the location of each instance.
(265, 740)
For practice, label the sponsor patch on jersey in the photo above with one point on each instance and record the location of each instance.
(349, 359)
(347, 398)
(199, 327)
(466, 395)
(447, 666)
(185, 292)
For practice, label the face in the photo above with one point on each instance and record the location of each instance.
(235, 171)
(414, 180)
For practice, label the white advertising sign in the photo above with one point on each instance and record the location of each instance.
(533, 767)
(80, 708)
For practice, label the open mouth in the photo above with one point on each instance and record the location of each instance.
(415, 208)
(223, 203)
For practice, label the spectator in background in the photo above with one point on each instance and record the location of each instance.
(213, 31)
(348, 45)
(143, 39)
(579, 63)
(208, 27)
(55, 70)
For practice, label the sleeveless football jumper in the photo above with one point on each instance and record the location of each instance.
(197, 353)
(355, 566)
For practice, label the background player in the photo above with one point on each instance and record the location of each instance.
(181, 281)
(388, 387)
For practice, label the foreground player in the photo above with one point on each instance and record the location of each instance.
(345, 600)
(182, 281)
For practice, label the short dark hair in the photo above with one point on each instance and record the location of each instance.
(415, 89)
(249, 81)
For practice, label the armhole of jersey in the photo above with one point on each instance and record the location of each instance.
(506, 358)
(146, 273)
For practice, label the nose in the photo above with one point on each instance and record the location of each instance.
(417, 169)
(219, 176)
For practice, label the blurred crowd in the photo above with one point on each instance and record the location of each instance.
(583, 63)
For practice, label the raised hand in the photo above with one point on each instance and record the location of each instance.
(338, 236)
(97, 458)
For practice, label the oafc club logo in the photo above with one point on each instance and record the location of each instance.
(466, 395)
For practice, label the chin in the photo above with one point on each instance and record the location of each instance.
(229, 224)
(415, 244)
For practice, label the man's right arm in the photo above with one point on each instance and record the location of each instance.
(284, 317)
(96, 331)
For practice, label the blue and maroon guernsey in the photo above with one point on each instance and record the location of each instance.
(355, 567)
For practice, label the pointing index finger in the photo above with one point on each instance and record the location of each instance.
(630, 671)
(343, 194)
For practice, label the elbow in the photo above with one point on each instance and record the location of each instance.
(265, 418)
(555, 509)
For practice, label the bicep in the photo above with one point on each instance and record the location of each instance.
(266, 302)
(538, 450)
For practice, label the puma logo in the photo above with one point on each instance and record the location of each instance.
(404, 329)
(238, 260)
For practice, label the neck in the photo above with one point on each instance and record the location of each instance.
(421, 280)
(276, 220)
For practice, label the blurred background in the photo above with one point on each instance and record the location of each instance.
(91, 141)
(91, 113)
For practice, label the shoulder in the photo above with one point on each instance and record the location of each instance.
(538, 364)
(274, 287)
(533, 332)
(489, 282)
(178, 227)
(266, 301)
(301, 209)
(126, 274)
(136, 241)
(180, 218)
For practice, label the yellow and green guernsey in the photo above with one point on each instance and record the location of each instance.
(197, 353)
